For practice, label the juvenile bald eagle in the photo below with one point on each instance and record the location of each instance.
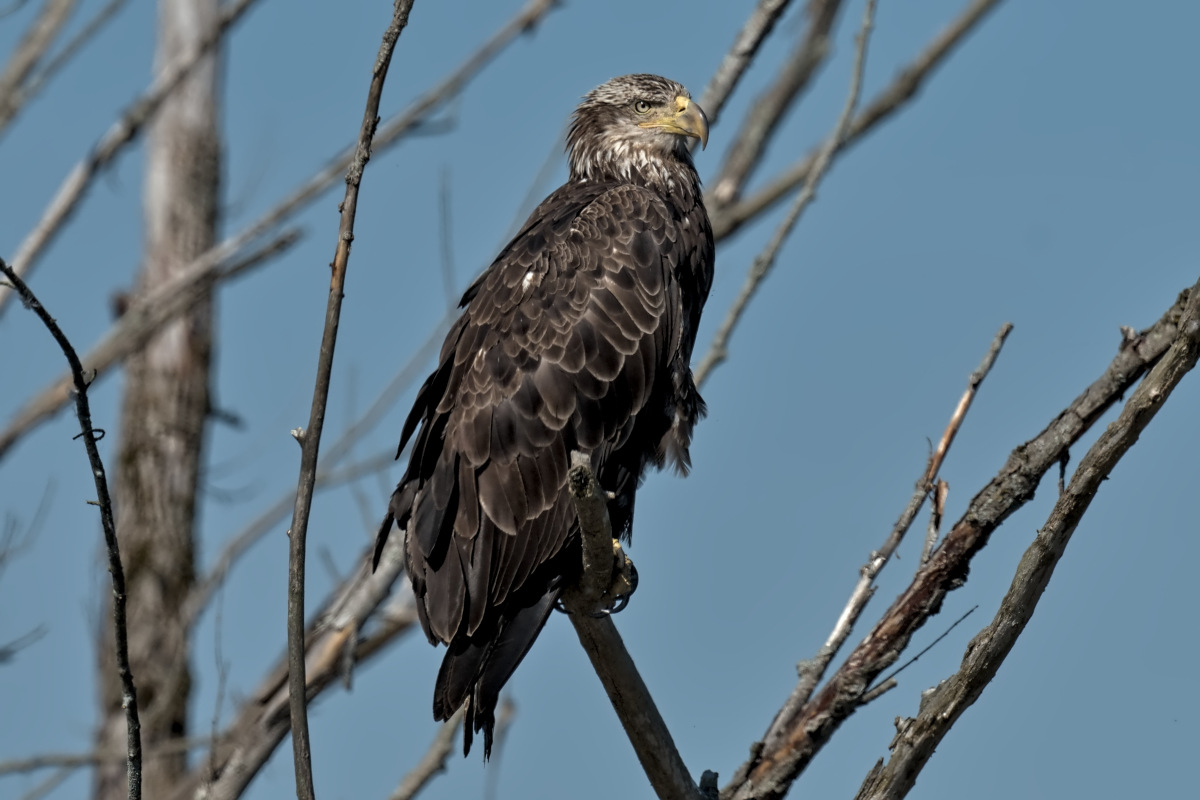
(577, 338)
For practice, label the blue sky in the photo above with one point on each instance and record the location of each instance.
(1046, 176)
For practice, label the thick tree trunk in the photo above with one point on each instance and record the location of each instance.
(163, 419)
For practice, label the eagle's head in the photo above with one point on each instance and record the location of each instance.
(635, 128)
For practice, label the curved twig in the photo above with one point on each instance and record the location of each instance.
(133, 726)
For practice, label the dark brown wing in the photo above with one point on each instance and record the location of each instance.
(565, 344)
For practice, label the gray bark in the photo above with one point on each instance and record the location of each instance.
(164, 412)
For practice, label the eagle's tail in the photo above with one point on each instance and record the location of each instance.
(479, 669)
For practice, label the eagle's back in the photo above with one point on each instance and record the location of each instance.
(578, 337)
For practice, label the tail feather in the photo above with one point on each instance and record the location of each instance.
(479, 669)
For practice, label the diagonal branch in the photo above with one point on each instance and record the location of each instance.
(32, 48)
(434, 760)
(122, 132)
(813, 670)
(759, 269)
(727, 219)
(795, 737)
(626, 690)
(12, 102)
(754, 32)
(941, 708)
(767, 112)
(90, 436)
(141, 320)
(393, 130)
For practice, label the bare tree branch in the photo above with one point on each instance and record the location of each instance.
(764, 261)
(33, 46)
(941, 708)
(392, 131)
(333, 643)
(813, 670)
(143, 318)
(765, 115)
(406, 122)
(795, 737)
(754, 32)
(121, 133)
(12, 102)
(75, 760)
(310, 438)
(90, 435)
(626, 690)
(434, 760)
(728, 219)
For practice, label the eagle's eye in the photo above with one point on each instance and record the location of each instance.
(641, 107)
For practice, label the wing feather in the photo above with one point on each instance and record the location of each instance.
(560, 347)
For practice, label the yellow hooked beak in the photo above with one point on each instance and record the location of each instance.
(688, 120)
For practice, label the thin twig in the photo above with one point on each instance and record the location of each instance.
(942, 706)
(813, 670)
(937, 509)
(311, 438)
(238, 544)
(49, 785)
(434, 760)
(764, 261)
(728, 219)
(797, 734)
(83, 409)
(626, 690)
(141, 320)
(121, 133)
(75, 760)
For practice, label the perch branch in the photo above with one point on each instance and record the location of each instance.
(133, 741)
(941, 708)
(626, 690)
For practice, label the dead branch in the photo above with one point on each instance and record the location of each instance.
(813, 670)
(121, 133)
(796, 736)
(764, 261)
(728, 219)
(12, 102)
(767, 112)
(434, 760)
(333, 644)
(90, 435)
(32, 48)
(311, 437)
(393, 130)
(143, 318)
(941, 707)
(754, 32)
(626, 690)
